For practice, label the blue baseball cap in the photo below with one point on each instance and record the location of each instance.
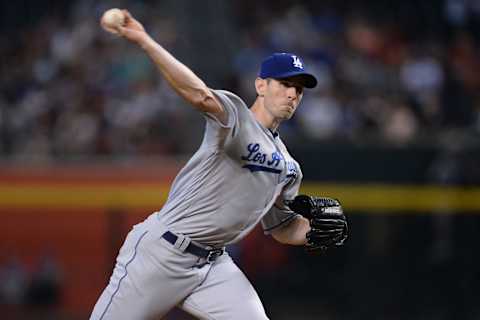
(284, 65)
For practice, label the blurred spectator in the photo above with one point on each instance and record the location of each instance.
(321, 116)
(45, 287)
(13, 282)
(400, 125)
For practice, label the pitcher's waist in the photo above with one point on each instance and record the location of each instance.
(207, 238)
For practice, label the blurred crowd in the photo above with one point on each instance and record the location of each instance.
(395, 73)
(36, 287)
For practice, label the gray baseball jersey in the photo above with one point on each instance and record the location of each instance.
(239, 176)
(233, 180)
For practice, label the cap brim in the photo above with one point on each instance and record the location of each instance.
(306, 79)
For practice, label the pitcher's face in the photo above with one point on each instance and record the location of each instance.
(282, 97)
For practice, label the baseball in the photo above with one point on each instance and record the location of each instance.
(113, 18)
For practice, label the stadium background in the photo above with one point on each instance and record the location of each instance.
(90, 138)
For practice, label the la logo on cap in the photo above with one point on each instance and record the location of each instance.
(296, 62)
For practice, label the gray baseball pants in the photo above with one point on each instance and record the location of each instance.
(151, 276)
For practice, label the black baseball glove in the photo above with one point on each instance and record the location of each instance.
(328, 223)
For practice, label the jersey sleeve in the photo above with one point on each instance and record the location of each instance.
(231, 103)
(277, 216)
(280, 214)
(219, 132)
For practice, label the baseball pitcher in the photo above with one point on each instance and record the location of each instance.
(242, 174)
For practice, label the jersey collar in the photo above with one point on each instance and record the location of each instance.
(274, 133)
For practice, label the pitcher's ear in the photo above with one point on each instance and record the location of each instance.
(260, 86)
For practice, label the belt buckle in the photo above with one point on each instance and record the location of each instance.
(213, 255)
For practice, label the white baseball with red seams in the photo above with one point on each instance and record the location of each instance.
(113, 18)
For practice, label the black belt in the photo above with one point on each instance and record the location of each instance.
(209, 255)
